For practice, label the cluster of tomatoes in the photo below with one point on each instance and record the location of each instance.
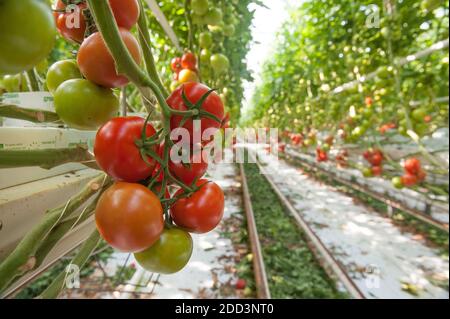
(185, 69)
(375, 158)
(158, 197)
(82, 89)
(414, 174)
(130, 214)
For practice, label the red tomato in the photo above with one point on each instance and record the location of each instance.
(369, 101)
(191, 171)
(189, 61)
(213, 104)
(116, 152)
(72, 24)
(202, 211)
(97, 64)
(376, 159)
(175, 65)
(126, 12)
(241, 284)
(428, 119)
(409, 180)
(321, 155)
(129, 217)
(413, 166)
(377, 170)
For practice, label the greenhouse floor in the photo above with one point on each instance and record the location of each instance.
(382, 260)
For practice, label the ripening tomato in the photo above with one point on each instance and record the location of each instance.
(83, 105)
(71, 23)
(169, 254)
(116, 151)
(409, 180)
(190, 170)
(97, 64)
(27, 35)
(213, 105)
(202, 211)
(60, 72)
(126, 12)
(175, 65)
(129, 217)
(413, 166)
(189, 61)
(187, 76)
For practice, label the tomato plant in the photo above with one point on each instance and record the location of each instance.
(202, 211)
(129, 217)
(116, 151)
(27, 34)
(169, 254)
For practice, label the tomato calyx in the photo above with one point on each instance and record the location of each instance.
(197, 108)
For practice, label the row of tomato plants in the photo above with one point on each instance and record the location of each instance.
(158, 194)
(329, 45)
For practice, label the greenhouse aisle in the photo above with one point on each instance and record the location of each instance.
(382, 260)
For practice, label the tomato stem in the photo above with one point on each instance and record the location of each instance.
(144, 39)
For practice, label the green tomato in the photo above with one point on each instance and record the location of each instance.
(205, 56)
(83, 105)
(205, 40)
(214, 17)
(219, 63)
(169, 254)
(60, 72)
(229, 30)
(200, 7)
(15, 83)
(326, 147)
(421, 129)
(27, 34)
(197, 19)
(419, 114)
(397, 182)
(367, 172)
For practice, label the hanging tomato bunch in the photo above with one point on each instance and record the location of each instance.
(159, 195)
